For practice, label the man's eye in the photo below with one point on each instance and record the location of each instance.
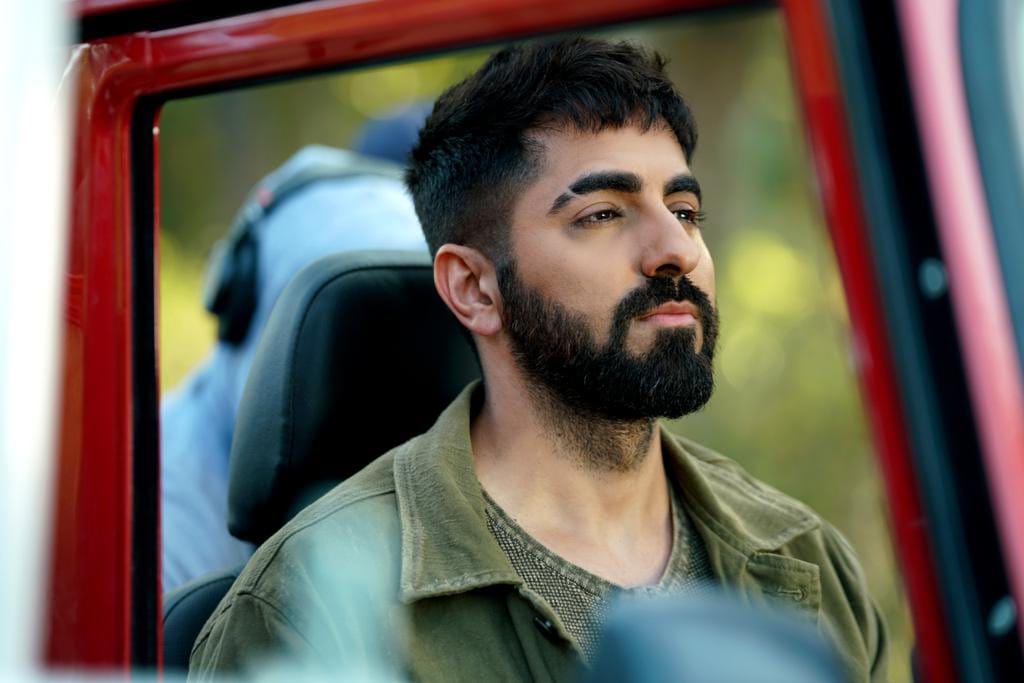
(602, 216)
(691, 216)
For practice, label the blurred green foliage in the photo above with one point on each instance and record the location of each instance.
(786, 404)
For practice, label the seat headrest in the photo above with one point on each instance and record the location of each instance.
(359, 355)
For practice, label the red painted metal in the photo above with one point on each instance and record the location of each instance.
(89, 615)
(91, 576)
(817, 78)
(976, 286)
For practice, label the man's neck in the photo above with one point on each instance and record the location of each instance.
(593, 491)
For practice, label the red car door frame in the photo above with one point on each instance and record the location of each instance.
(104, 609)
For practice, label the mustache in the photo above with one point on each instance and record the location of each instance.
(660, 290)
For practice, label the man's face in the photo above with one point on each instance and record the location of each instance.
(609, 299)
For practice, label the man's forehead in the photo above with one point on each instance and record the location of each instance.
(567, 154)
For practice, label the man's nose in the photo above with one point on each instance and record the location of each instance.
(671, 248)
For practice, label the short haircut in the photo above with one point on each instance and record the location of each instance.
(475, 154)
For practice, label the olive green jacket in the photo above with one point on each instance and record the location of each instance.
(396, 565)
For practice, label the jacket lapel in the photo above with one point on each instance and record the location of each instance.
(745, 526)
(446, 546)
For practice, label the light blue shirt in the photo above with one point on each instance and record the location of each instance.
(197, 418)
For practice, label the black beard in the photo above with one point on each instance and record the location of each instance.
(556, 349)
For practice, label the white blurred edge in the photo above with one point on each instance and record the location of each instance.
(34, 141)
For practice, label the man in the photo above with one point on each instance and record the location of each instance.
(554, 189)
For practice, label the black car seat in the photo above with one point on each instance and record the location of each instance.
(359, 355)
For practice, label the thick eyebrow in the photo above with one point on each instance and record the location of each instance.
(683, 182)
(616, 181)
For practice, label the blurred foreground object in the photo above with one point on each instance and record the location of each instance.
(712, 639)
(33, 144)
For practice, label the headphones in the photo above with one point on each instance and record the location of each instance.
(231, 291)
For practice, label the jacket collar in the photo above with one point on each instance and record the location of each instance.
(743, 512)
(745, 525)
(447, 547)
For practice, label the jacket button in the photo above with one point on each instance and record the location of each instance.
(547, 628)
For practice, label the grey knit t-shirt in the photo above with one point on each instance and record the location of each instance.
(580, 598)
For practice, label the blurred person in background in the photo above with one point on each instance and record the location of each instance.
(320, 201)
(555, 191)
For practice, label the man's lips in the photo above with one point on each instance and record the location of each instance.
(673, 314)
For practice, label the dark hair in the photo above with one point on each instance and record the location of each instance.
(475, 154)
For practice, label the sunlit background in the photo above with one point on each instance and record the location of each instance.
(786, 406)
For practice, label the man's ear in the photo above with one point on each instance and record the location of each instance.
(467, 283)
